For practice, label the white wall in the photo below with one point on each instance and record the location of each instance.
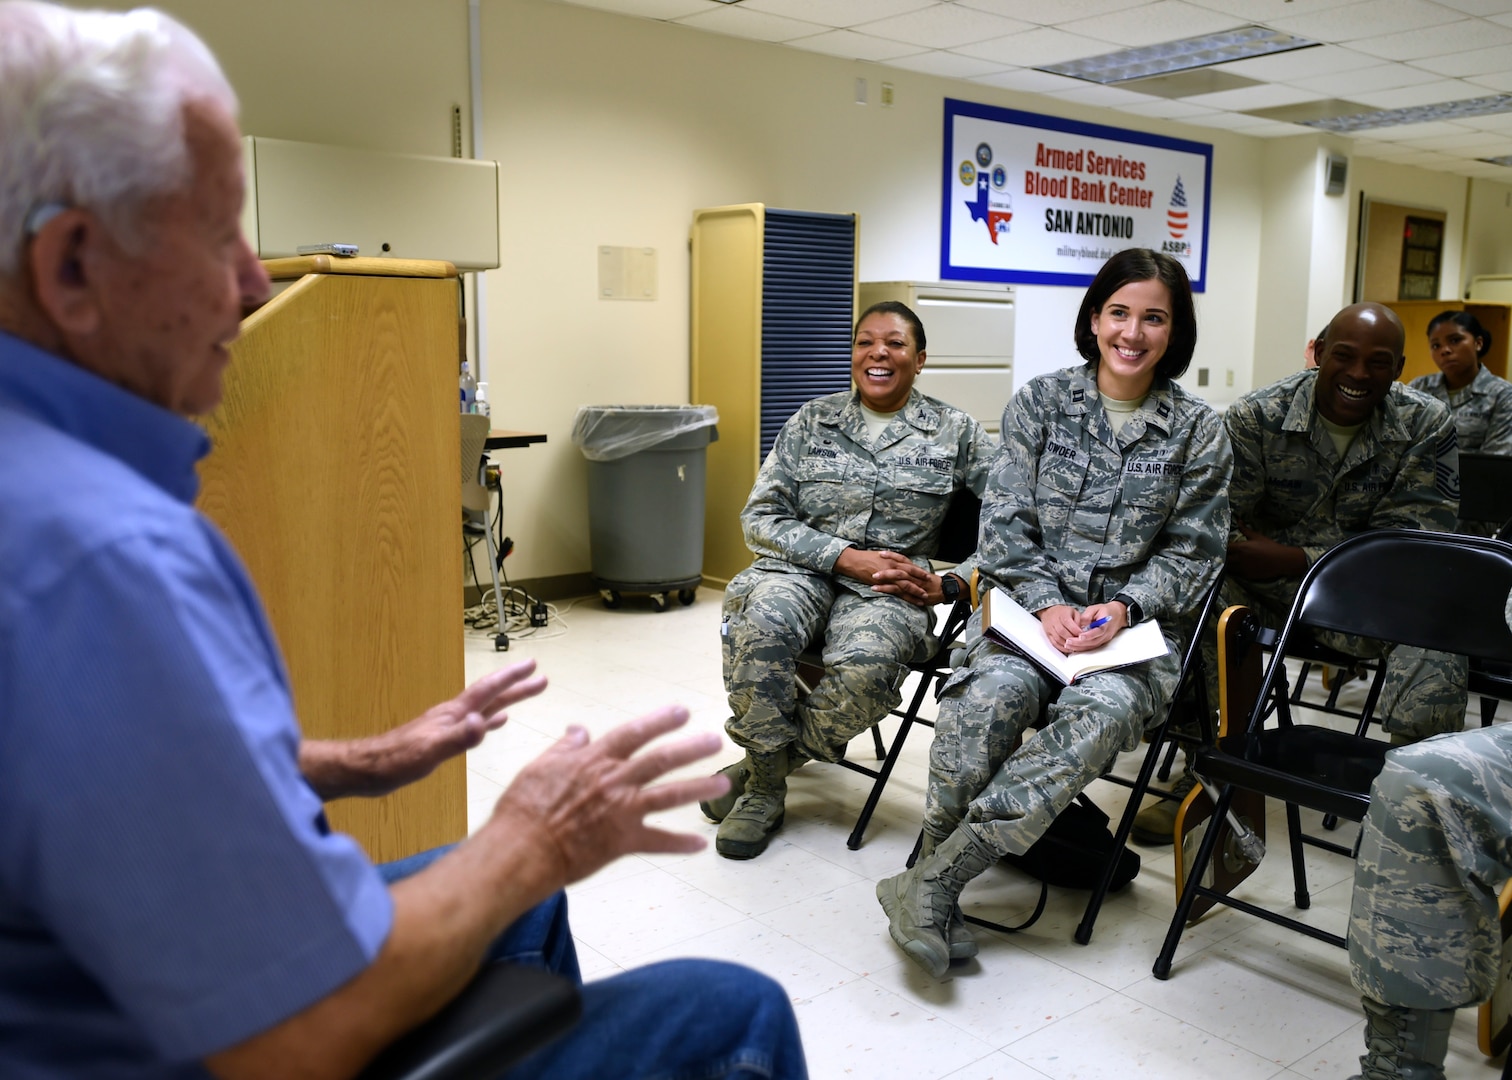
(612, 130)
(1488, 240)
(1405, 185)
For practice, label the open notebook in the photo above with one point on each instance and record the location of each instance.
(1010, 625)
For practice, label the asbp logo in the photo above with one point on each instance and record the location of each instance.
(1177, 222)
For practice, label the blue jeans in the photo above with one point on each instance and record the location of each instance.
(677, 1020)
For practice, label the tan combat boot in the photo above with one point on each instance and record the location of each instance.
(1404, 1044)
(918, 902)
(958, 936)
(757, 813)
(740, 773)
(1155, 825)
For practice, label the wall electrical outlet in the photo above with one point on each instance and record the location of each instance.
(1202, 376)
(1228, 377)
(887, 95)
(860, 91)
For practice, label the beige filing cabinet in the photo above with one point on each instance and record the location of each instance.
(969, 332)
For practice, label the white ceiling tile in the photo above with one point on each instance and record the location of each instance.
(853, 46)
(1403, 132)
(1497, 122)
(1348, 83)
(1427, 159)
(949, 64)
(1469, 62)
(1035, 47)
(1103, 95)
(1264, 96)
(1049, 13)
(1369, 19)
(1407, 97)
(837, 13)
(944, 26)
(1165, 20)
(1229, 121)
(1479, 7)
(1383, 151)
(650, 9)
(1499, 81)
(1267, 11)
(1436, 40)
(1484, 170)
(1032, 82)
(1276, 129)
(1167, 110)
(1300, 64)
(1501, 20)
(742, 22)
(1472, 143)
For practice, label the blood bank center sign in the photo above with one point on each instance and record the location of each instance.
(1042, 200)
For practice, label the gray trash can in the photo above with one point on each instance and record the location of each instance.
(646, 497)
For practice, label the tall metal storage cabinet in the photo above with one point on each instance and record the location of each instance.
(773, 297)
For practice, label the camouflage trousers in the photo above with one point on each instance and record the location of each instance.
(1435, 850)
(1008, 796)
(1424, 692)
(771, 617)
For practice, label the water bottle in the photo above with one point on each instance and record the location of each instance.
(482, 403)
(467, 388)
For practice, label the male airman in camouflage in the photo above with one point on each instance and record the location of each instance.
(1107, 504)
(1424, 925)
(1321, 456)
(845, 513)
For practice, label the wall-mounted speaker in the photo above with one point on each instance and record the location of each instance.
(1335, 173)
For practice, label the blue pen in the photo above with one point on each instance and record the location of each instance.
(1095, 623)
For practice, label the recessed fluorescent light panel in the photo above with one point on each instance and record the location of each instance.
(1505, 162)
(1418, 114)
(1195, 52)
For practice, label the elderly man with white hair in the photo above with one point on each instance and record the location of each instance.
(172, 901)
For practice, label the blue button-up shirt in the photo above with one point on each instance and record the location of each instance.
(168, 884)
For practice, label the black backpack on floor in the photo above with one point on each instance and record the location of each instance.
(1071, 855)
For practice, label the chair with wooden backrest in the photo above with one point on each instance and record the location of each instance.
(1432, 590)
(958, 540)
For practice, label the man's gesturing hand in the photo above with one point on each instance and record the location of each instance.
(382, 763)
(586, 800)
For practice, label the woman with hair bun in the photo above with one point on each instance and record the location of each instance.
(1480, 402)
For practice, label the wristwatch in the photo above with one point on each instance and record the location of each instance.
(950, 587)
(1135, 614)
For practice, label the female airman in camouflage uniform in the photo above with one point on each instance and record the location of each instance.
(844, 515)
(1107, 501)
(1480, 401)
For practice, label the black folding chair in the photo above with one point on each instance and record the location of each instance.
(506, 1013)
(1189, 699)
(1432, 590)
(1486, 496)
(958, 540)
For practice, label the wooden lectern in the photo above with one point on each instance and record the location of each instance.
(334, 474)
